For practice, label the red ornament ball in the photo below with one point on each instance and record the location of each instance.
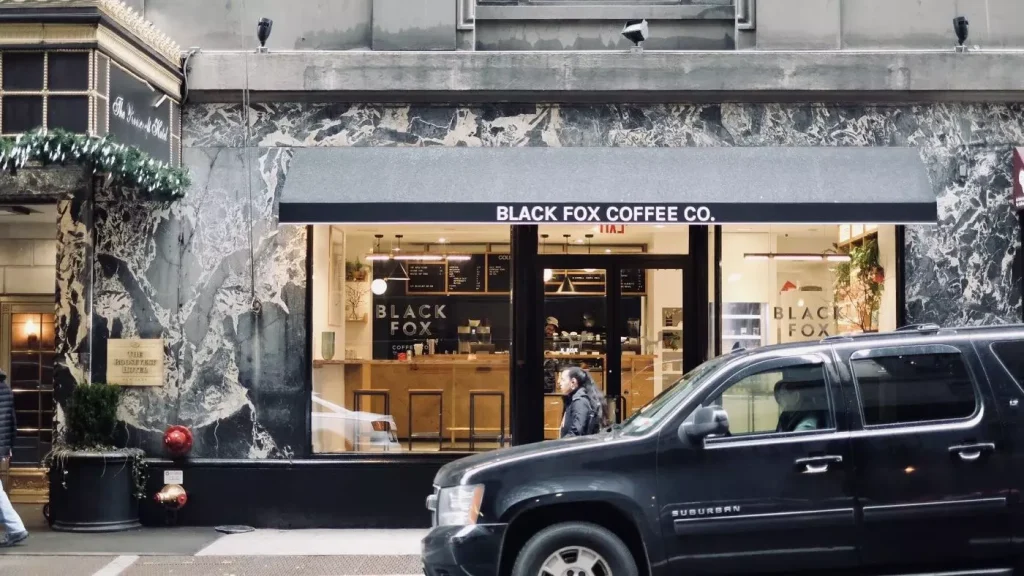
(178, 440)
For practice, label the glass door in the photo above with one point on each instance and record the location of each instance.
(30, 347)
(576, 330)
(626, 333)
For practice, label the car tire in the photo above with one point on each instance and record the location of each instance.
(540, 548)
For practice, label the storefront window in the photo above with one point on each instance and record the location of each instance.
(803, 283)
(412, 329)
(411, 338)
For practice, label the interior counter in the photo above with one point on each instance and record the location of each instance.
(443, 384)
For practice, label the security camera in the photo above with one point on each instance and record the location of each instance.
(960, 27)
(263, 32)
(636, 32)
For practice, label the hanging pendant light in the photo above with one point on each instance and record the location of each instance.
(379, 285)
(398, 272)
(589, 238)
(548, 272)
(566, 285)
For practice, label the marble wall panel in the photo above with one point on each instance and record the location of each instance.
(240, 378)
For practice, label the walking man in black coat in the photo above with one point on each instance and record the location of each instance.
(8, 517)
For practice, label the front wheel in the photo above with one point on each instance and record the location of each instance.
(575, 549)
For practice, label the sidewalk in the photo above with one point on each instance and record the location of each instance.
(192, 551)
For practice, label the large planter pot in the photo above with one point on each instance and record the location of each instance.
(93, 492)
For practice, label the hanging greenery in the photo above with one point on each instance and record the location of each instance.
(127, 166)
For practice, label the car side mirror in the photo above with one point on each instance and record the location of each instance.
(707, 421)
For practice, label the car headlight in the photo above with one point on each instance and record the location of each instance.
(459, 505)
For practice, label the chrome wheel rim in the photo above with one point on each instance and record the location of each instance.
(575, 561)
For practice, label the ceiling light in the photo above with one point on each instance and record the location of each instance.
(659, 225)
(458, 257)
(607, 250)
(548, 274)
(441, 240)
(376, 255)
(379, 286)
(579, 240)
(420, 257)
(798, 257)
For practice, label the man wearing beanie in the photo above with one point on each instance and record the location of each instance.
(15, 530)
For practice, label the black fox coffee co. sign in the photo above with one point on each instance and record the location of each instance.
(139, 117)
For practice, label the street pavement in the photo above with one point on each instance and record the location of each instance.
(192, 551)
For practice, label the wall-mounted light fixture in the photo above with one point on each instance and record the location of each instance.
(32, 334)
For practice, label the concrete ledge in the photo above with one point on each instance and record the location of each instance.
(598, 12)
(565, 76)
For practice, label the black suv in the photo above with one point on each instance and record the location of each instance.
(883, 453)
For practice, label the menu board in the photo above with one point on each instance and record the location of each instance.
(499, 272)
(426, 278)
(467, 276)
(633, 281)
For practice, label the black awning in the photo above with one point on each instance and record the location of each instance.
(607, 185)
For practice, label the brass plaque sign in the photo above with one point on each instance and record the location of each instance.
(135, 361)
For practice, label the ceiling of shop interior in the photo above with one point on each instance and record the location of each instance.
(632, 234)
(41, 213)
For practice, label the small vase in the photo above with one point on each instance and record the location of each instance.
(327, 345)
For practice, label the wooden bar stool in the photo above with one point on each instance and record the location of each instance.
(439, 435)
(357, 401)
(473, 436)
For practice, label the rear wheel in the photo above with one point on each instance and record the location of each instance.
(575, 549)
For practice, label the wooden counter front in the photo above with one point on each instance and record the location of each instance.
(455, 376)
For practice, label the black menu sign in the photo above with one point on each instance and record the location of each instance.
(466, 276)
(633, 281)
(134, 120)
(426, 278)
(499, 272)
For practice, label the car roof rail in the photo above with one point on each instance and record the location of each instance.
(837, 338)
(926, 327)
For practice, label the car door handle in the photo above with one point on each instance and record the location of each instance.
(817, 464)
(971, 452)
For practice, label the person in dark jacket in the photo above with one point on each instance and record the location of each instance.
(8, 429)
(584, 404)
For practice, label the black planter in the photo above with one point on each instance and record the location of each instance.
(93, 492)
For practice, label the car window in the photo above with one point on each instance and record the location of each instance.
(1011, 356)
(777, 400)
(912, 388)
(670, 398)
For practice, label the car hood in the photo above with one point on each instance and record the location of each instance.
(452, 473)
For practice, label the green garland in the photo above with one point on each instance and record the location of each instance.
(126, 165)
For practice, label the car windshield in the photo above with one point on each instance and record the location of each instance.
(666, 402)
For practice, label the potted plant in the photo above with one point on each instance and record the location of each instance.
(94, 486)
(859, 284)
(355, 271)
